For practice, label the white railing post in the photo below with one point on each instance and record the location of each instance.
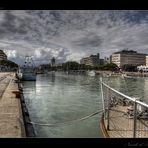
(108, 107)
(135, 119)
(102, 94)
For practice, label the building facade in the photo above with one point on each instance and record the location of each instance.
(129, 57)
(53, 61)
(146, 58)
(102, 61)
(106, 60)
(142, 68)
(3, 56)
(93, 60)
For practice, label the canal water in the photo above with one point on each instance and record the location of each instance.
(58, 97)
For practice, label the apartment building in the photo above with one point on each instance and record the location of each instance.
(146, 58)
(128, 57)
(93, 60)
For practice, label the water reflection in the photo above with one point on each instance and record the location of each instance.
(53, 77)
(134, 87)
(58, 97)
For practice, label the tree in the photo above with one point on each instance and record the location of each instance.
(109, 66)
(8, 63)
(129, 67)
(53, 61)
(101, 67)
(70, 65)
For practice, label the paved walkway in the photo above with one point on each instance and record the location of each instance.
(11, 125)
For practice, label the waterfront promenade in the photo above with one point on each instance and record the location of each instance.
(11, 120)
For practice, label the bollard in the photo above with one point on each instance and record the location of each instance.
(17, 93)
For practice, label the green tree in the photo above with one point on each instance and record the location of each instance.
(8, 63)
(109, 66)
(70, 65)
(101, 67)
(129, 67)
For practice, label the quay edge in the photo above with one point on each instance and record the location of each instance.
(29, 129)
(103, 128)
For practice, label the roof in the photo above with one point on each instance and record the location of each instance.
(128, 52)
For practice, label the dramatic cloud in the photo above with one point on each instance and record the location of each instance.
(90, 40)
(71, 34)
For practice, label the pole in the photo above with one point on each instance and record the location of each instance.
(102, 94)
(135, 119)
(108, 115)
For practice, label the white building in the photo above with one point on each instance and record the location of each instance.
(93, 60)
(128, 57)
(143, 68)
(146, 59)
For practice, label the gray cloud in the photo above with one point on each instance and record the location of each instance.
(90, 40)
(10, 25)
(71, 34)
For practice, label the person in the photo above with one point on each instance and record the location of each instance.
(141, 70)
(124, 102)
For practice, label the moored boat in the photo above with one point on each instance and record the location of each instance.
(19, 73)
(28, 74)
(91, 73)
(28, 70)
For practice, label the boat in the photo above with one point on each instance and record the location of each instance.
(91, 73)
(19, 73)
(28, 71)
(107, 74)
(126, 76)
(28, 74)
(50, 72)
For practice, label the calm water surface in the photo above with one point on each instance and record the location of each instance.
(58, 97)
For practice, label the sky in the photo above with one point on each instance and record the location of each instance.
(71, 34)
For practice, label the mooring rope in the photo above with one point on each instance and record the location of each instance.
(66, 122)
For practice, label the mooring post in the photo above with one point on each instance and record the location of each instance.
(135, 119)
(105, 110)
(102, 94)
(108, 113)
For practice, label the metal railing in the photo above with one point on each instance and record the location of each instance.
(124, 116)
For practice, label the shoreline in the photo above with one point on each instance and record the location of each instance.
(29, 129)
(132, 74)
